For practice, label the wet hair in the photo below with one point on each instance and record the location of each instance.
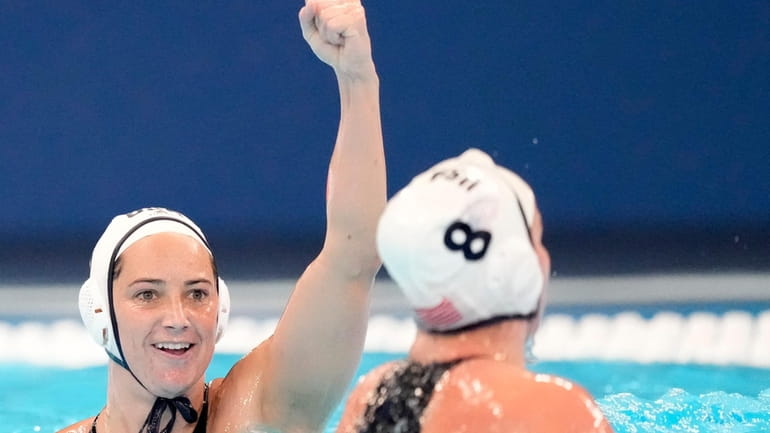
(116, 268)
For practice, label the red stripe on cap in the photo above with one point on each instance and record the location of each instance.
(441, 315)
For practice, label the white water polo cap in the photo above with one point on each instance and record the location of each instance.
(95, 300)
(457, 242)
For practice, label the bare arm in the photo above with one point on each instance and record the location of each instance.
(302, 372)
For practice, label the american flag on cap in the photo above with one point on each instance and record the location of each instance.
(442, 315)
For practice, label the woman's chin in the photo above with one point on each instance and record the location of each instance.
(174, 383)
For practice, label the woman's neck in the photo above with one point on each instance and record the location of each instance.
(503, 341)
(129, 403)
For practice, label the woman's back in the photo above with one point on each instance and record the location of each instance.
(474, 395)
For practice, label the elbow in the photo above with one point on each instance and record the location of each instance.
(363, 267)
(355, 261)
(372, 266)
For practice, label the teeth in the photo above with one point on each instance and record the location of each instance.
(173, 346)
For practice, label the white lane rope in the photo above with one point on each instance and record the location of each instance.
(702, 337)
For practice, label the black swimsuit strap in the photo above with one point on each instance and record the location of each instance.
(399, 400)
(203, 418)
(200, 427)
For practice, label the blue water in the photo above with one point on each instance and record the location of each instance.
(637, 398)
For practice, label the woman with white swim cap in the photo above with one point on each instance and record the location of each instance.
(463, 241)
(155, 302)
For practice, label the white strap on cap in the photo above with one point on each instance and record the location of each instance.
(161, 226)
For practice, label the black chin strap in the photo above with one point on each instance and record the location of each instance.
(152, 423)
(181, 404)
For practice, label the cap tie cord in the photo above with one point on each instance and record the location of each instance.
(181, 404)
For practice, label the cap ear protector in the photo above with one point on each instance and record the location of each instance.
(94, 312)
(95, 294)
(525, 199)
(223, 310)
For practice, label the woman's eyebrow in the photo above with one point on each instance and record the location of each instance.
(197, 281)
(153, 281)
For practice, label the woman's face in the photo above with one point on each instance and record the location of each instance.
(165, 301)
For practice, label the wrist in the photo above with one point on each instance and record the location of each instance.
(365, 75)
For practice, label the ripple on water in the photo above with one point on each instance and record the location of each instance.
(679, 411)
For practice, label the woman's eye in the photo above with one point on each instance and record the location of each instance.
(198, 294)
(146, 295)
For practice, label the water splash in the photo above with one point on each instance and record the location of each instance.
(680, 411)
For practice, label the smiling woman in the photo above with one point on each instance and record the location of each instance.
(167, 319)
(154, 300)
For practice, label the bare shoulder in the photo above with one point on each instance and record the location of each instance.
(359, 397)
(79, 427)
(375, 375)
(486, 395)
(368, 382)
(235, 399)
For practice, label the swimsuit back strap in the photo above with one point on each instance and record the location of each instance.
(402, 396)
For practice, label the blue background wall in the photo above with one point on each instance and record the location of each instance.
(643, 126)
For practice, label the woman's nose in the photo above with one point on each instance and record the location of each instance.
(176, 315)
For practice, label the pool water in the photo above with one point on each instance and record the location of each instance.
(636, 397)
